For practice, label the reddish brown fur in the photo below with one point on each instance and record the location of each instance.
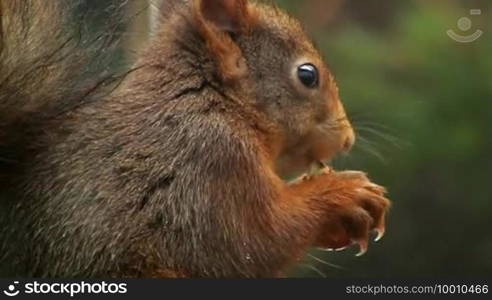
(177, 173)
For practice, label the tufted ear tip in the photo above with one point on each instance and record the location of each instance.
(227, 15)
(216, 20)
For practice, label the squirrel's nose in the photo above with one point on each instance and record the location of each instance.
(349, 141)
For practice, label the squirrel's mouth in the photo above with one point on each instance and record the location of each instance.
(313, 151)
(309, 161)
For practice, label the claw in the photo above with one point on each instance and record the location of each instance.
(341, 249)
(361, 252)
(363, 247)
(380, 234)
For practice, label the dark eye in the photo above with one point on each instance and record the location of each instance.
(308, 75)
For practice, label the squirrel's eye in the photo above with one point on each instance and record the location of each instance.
(308, 75)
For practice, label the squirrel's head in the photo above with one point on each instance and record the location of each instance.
(266, 54)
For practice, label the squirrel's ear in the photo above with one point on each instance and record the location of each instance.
(227, 15)
(216, 20)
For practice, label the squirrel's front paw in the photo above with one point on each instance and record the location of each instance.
(356, 207)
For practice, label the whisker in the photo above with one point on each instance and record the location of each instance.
(369, 147)
(375, 126)
(325, 262)
(313, 268)
(394, 141)
(371, 123)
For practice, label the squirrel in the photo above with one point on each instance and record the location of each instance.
(174, 167)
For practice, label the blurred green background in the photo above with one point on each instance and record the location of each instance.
(422, 104)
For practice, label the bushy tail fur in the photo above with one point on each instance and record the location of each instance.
(50, 62)
(55, 56)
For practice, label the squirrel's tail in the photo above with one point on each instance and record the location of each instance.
(31, 67)
(51, 62)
